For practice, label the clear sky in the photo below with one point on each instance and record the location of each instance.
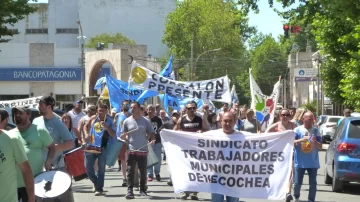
(266, 21)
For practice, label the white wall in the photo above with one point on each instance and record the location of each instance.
(14, 55)
(140, 20)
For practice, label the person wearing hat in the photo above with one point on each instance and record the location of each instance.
(76, 113)
(12, 157)
(34, 140)
(61, 136)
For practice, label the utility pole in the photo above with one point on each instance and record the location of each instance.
(318, 99)
(82, 59)
(191, 61)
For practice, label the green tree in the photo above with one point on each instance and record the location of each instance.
(116, 39)
(268, 62)
(10, 13)
(211, 25)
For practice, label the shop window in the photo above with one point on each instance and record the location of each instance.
(36, 31)
(12, 97)
(67, 31)
(65, 98)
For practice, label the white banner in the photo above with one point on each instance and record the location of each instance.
(214, 89)
(28, 102)
(241, 165)
(263, 105)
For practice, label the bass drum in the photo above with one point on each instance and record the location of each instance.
(53, 186)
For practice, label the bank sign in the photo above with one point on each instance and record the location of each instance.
(305, 74)
(40, 74)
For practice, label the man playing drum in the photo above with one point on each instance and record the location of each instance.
(12, 156)
(34, 140)
(60, 134)
(137, 130)
(101, 127)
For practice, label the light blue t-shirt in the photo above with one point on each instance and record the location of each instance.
(60, 134)
(97, 131)
(339, 121)
(306, 155)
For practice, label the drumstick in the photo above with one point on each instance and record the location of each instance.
(127, 132)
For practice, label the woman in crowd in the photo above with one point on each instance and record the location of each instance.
(251, 124)
(283, 124)
(66, 119)
(213, 124)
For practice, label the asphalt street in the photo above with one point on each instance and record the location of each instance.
(160, 191)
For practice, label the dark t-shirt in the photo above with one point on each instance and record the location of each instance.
(191, 126)
(156, 123)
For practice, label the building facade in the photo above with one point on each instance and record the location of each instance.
(56, 22)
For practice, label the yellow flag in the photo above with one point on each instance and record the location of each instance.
(105, 93)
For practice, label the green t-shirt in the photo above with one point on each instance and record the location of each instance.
(35, 140)
(12, 153)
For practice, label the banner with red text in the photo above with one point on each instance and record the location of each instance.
(241, 165)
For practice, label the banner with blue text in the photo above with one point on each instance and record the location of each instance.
(214, 89)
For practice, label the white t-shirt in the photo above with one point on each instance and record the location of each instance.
(75, 117)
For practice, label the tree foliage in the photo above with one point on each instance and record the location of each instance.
(268, 62)
(211, 25)
(116, 39)
(10, 13)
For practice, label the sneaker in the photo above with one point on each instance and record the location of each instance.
(184, 196)
(143, 193)
(149, 179)
(124, 184)
(130, 195)
(164, 162)
(98, 193)
(194, 196)
(158, 178)
(169, 183)
(93, 189)
(136, 188)
(289, 197)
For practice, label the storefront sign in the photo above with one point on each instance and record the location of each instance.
(305, 74)
(40, 74)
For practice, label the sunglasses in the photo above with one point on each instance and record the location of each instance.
(191, 108)
(285, 115)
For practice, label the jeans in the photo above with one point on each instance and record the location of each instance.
(98, 180)
(141, 162)
(22, 194)
(220, 198)
(298, 180)
(156, 168)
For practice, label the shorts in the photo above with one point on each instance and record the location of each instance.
(122, 155)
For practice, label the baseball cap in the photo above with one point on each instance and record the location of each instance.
(22, 109)
(48, 100)
(174, 112)
(79, 101)
(4, 114)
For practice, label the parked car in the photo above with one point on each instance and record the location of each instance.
(342, 159)
(327, 129)
(320, 120)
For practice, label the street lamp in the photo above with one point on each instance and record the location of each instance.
(217, 49)
(82, 57)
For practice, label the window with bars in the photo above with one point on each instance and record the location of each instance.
(14, 31)
(67, 31)
(36, 31)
